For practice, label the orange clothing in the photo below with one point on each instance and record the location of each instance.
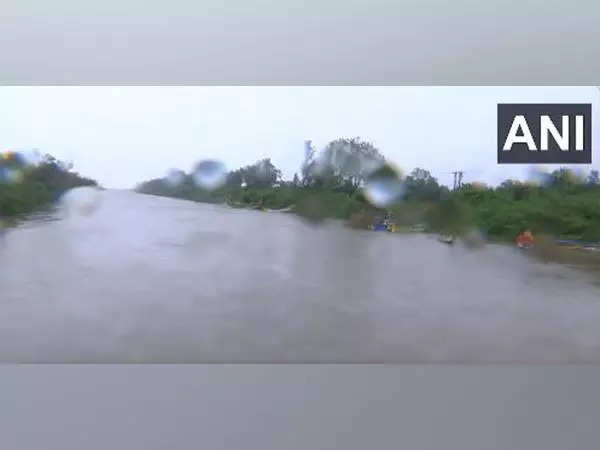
(525, 239)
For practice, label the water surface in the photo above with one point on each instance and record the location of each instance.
(151, 279)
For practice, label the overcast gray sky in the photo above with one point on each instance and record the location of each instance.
(123, 135)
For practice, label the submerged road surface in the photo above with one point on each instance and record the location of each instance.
(150, 279)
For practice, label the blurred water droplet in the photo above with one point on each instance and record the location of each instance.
(319, 167)
(581, 174)
(31, 157)
(10, 175)
(209, 174)
(175, 177)
(6, 155)
(384, 192)
(539, 176)
(479, 186)
(372, 165)
(384, 187)
(339, 156)
(82, 201)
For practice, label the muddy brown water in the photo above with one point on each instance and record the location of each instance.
(150, 279)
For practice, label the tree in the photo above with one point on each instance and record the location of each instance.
(261, 174)
(350, 160)
(420, 184)
(563, 178)
(296, 180)
(234, 178)
(449, 215)
(309, 164)
(509, 184)
(516, 190)
(23, 187)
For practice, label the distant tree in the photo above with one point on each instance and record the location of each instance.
(23, 186)
(420, 184)
(12, 160)
(261, 174)
(563, 178)
(516, 190)
(309, 164)
(344, 163)
(351, 159)
(296, 180)
(449, 215)
(235, 178)
(509, 184)
(421, 175)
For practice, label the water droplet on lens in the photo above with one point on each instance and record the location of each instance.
(31, 157)
(384, 187)
(81, 200)
(210, 174)
(383, 193)
(9, 175)
(372, 165)
(539, 176)
(581, 174)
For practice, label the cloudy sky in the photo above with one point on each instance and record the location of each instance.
(123, 135)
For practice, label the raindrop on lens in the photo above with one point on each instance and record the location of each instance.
(384, 187)
(81, 200)
(384, 192)
(539, 176)
(31, 157)
(581, 174)
(209, 174)
(10, 175)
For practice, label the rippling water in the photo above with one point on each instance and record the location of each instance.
(150, 279)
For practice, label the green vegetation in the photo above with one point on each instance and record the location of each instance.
(26, 186)
(325, 191)
(311, 203)
(560, 205)
(570, 211)
(332, 185)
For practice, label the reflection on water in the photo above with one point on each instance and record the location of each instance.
(150, 279)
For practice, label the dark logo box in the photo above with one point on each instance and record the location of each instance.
(550, 133)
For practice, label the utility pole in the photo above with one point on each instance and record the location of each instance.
(458, 176)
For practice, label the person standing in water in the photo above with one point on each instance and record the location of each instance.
(525, 239)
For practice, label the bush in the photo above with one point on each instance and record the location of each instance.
(36, 186)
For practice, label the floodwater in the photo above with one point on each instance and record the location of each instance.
(150, 279)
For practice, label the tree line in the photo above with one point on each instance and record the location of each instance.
(26, 185)
(333, 183)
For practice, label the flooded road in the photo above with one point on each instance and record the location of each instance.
(150, 279)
